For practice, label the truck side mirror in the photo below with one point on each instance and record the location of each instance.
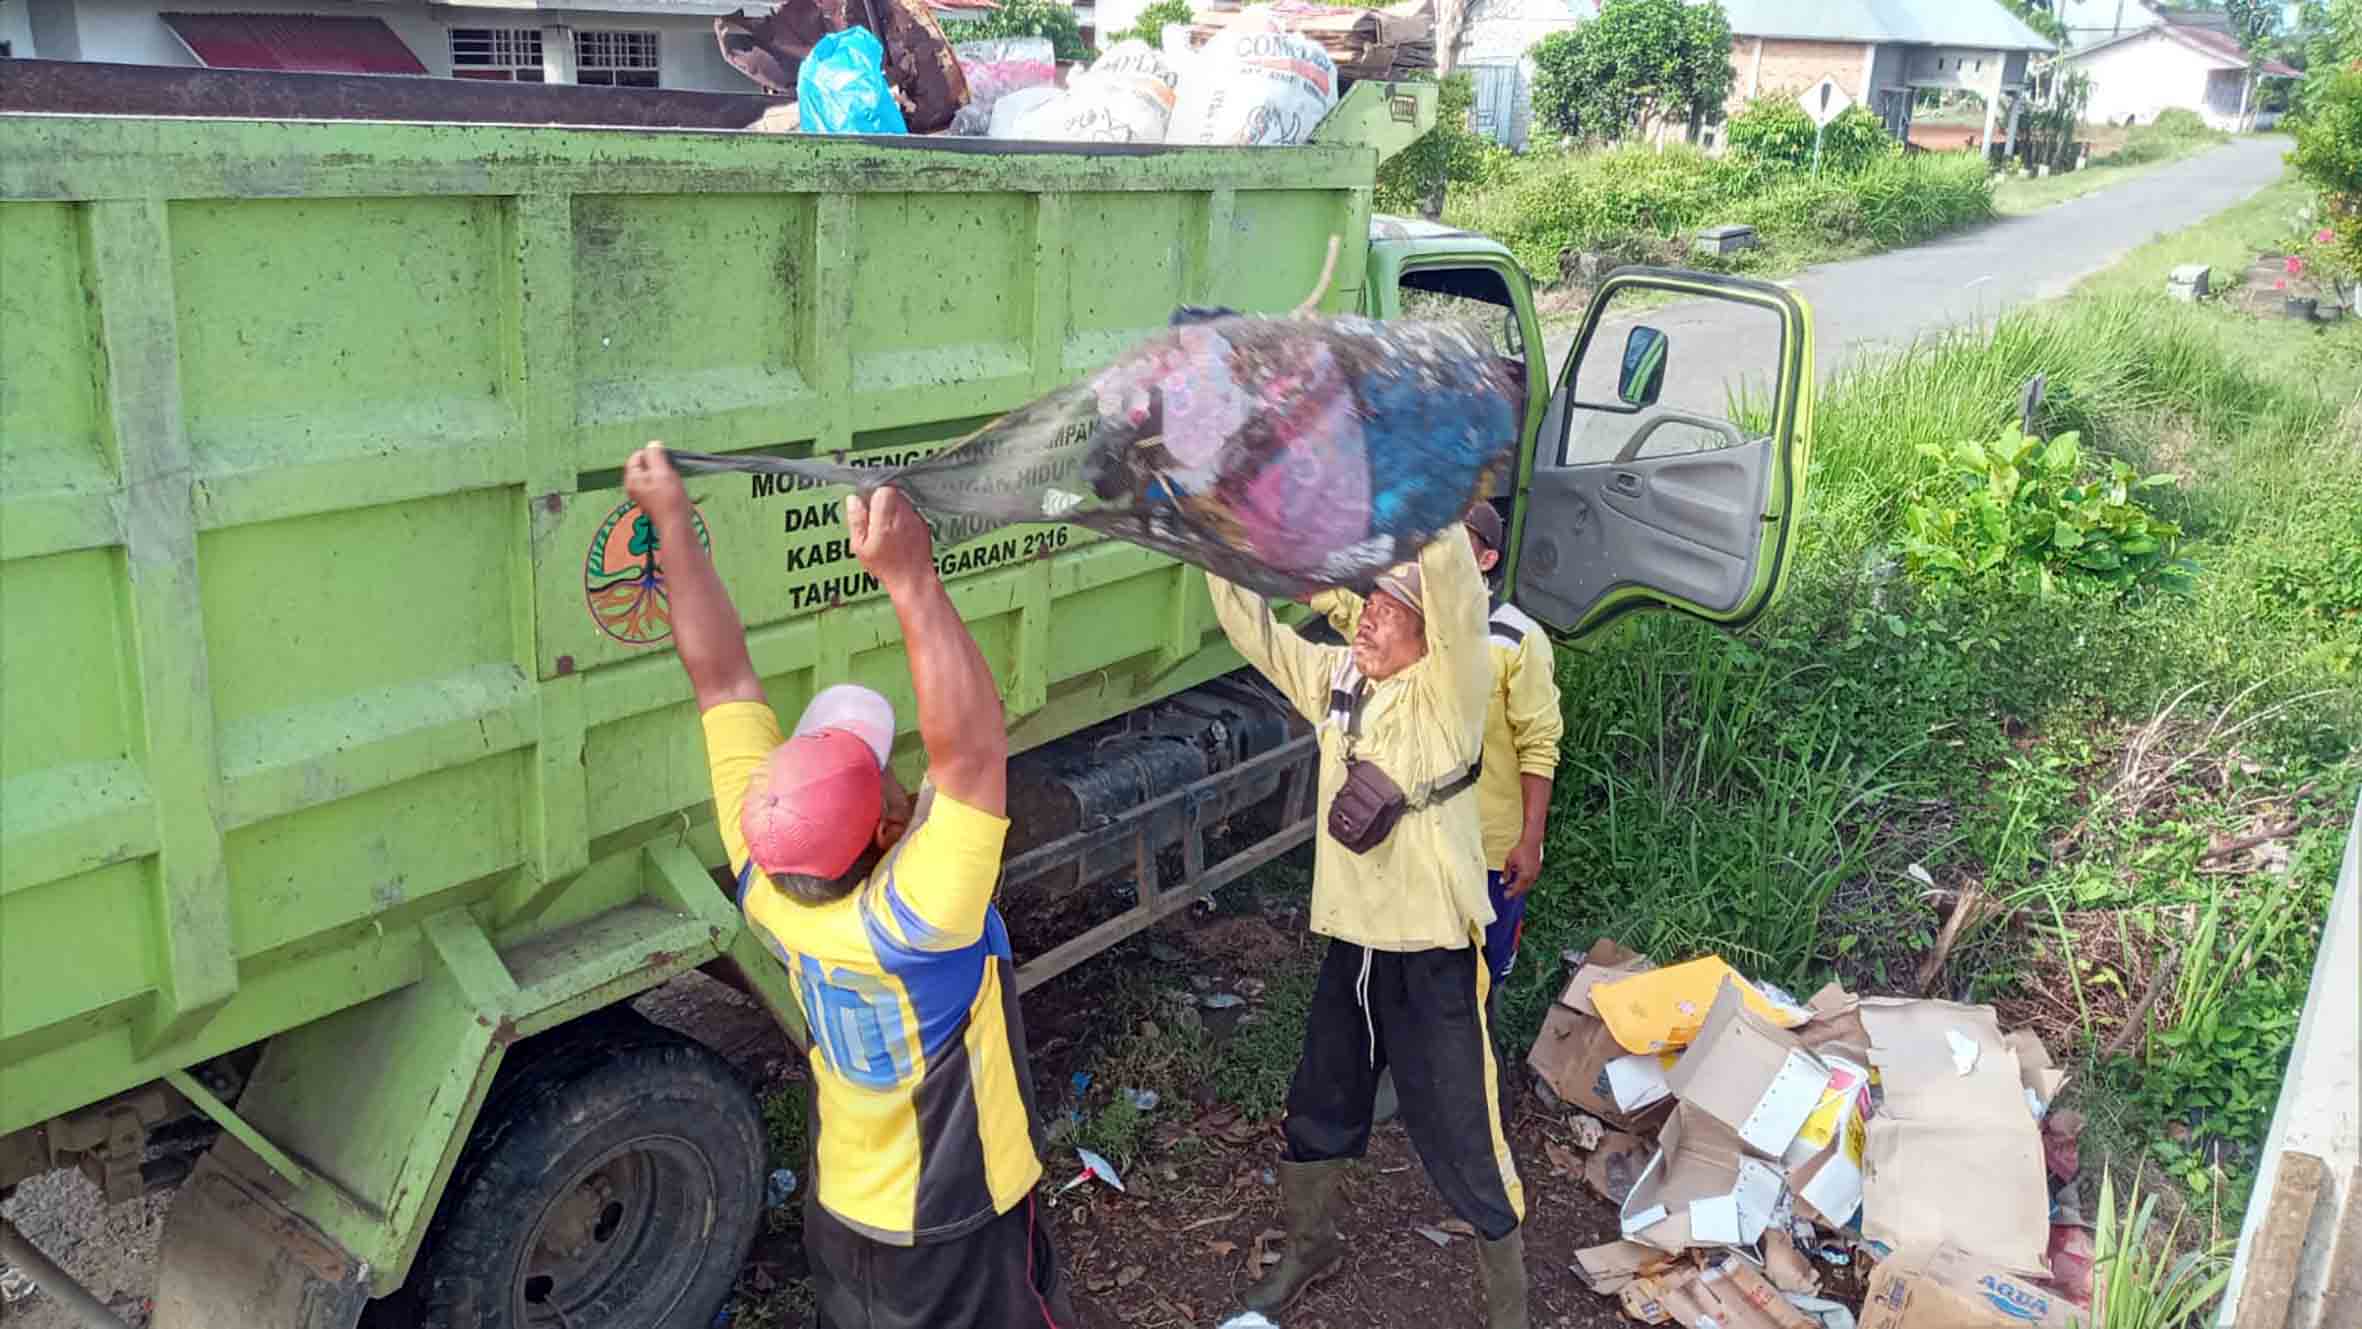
(1643, 375)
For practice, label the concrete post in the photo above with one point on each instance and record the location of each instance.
(2009, 146)
(557, 54)
(1992, 111)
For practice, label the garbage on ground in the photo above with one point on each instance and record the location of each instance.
(1142, 1100)
(1094, 1168)
(1575, 1047)
(1254, 83)
(1288, 455)
(842, 87)
(1394, 42)
(1774, 1152)
(1949, 1289)
(1967, 1139)
(781, 1189)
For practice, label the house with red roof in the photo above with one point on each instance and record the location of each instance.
(2163, 58)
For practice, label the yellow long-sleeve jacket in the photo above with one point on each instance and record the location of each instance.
(1423, 888)
(1522, 724)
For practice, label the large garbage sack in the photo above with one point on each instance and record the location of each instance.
(1254, 83)
(1394, 42)
(771, 49)
(1127, 97)
(1287, 455)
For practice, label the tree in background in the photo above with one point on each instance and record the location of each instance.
(2041, 16)
(1029, 18)
(2329, 156)
(2331, 34)
(1638, 62)
(1150, 25)
(1452, 153)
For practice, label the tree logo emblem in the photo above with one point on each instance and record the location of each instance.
(623, 578)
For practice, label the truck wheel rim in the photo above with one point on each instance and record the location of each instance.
(619, 1243)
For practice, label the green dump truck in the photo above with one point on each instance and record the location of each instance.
(346, 790)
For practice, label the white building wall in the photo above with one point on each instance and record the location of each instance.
(129, 32)
(1500, 34)
(2142, 76)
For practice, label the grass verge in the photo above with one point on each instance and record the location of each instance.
(1814, 799)
(2146, 148)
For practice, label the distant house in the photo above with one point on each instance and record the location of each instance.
(2173, 58)
(1880, 51)
(1884, 52)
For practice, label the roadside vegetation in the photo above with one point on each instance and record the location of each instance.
(2174, 135)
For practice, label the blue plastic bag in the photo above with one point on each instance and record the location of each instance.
(842, 87)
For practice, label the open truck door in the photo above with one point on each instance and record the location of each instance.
(1670, 466)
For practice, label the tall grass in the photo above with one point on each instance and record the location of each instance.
(1637, 204)
(1767, 796)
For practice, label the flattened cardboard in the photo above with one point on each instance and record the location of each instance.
(1608, 1269)
(1573, 1050)
(1665, 1008)
(1951, 1290)
(1835, 1028)
(1748, 1074)
(1637, 1081)
(1953, 1160)
(1702, 1189)
(1616, 1164)
(2043, 1078)
(1730, 1294)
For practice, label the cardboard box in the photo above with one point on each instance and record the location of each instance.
(1748, 1074)
(1608, 1269)
(1703, 1188)
(1573, 1050)
(1954, 1159)
(1952, 1290)
(2043, 1078)
(1825, 1162)
(1666, 1008)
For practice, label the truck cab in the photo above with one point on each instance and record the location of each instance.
(1650, 474)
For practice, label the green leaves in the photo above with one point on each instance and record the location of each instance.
(2039, 517)
(1637, 59)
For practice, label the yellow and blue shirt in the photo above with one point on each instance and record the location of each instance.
(924, 1104)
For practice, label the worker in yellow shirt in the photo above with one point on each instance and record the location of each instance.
(1522, 728)
(921, 1211)
(1398, 888)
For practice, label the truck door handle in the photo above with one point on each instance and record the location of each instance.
(1626, 483)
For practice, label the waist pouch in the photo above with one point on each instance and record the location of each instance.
(1369, 805)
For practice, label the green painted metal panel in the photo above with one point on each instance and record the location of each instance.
(323, 653)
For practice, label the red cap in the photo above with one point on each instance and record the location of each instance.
(814, 806)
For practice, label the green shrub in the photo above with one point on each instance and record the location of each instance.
(2034, 515)
(2329, 156)
(1450, 154)
(1029, 18)
(1150, 26)
(2174, 133)
(1776, 130)
(1637, 60)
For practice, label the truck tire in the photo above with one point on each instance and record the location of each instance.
(614, 1181)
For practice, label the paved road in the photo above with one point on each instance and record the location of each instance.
(1888, 299)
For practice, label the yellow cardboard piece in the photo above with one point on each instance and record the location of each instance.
(1665, 1008)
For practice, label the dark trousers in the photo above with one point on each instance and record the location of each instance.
(1422, 1013)
(1003, 1275)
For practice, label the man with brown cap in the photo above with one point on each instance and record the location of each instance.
(921, 1211)
(1398, 888)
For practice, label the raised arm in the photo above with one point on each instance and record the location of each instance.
(1459, 663)
(706, 630)
(960, 718)
(1298, 668)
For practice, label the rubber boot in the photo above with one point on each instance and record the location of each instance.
(1504, 1281)
(1307, 1195)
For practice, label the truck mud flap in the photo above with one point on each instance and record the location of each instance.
(233, 1255)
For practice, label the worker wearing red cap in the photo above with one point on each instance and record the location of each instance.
(921, 1211)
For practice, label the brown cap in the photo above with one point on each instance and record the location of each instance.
(1402, 581)
(1485, 520)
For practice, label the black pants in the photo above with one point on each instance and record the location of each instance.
(1422, 1013)
(1003, 1275)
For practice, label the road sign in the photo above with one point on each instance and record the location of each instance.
(1824, 101)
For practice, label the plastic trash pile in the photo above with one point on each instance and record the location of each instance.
(1761, 1147)
(1264, 75)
